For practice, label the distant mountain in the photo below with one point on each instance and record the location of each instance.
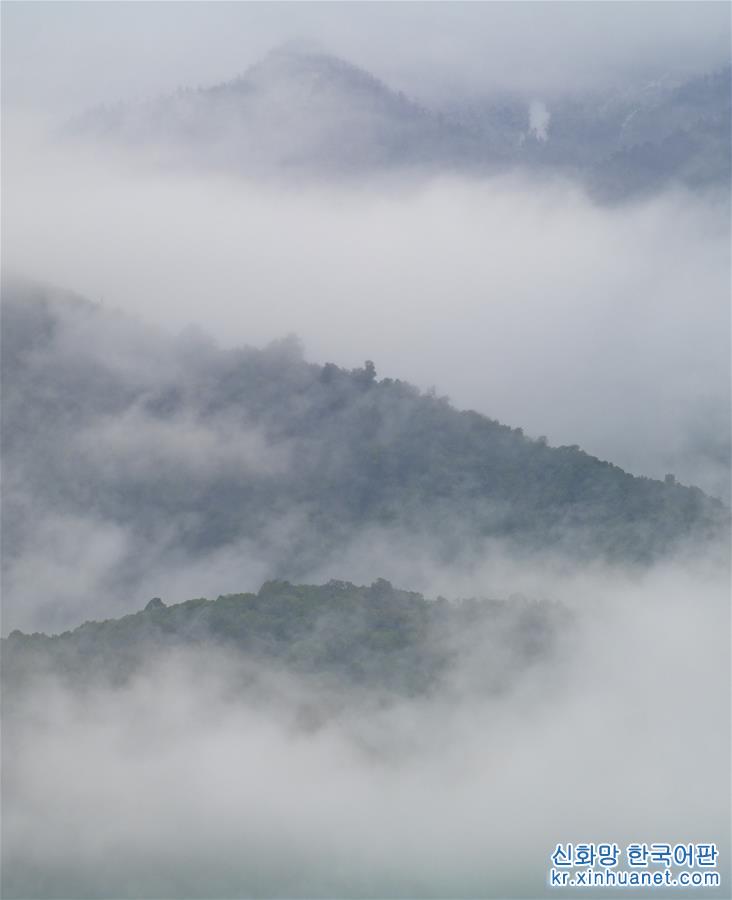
(620, 144)
(682, 137)
(171, 452)
(308, 113)
(375, 638)
(296, 110)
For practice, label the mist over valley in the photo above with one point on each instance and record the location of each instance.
(365, 380)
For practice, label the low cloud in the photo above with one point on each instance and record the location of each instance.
(515, 295)
(181, 784)
(539, 118)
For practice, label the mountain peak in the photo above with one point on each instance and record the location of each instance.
(310, 65)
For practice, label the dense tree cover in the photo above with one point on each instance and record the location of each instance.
(289, 113)
(192, 448)
(375, 637)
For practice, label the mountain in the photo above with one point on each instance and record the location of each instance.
(682, 137)
(303, 112)
(140, 456)
(296, 110)
(374, 638)
(620, 144)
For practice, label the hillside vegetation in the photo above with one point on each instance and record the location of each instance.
(375, 638)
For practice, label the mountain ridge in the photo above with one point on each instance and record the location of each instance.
(376, 638)
(308, 112)
(278, 433)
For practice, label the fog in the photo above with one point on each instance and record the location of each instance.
(179, 784)
(64, 58)
(138, 462)
(537, 228)
(519, 298)
(516, 295)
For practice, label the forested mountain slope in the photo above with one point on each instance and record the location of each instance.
(374, 638)
(175, 449)
(305, 112)
(296, 110)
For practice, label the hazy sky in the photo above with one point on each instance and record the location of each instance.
(64, 56)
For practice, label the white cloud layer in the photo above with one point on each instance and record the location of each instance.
(516, 296)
